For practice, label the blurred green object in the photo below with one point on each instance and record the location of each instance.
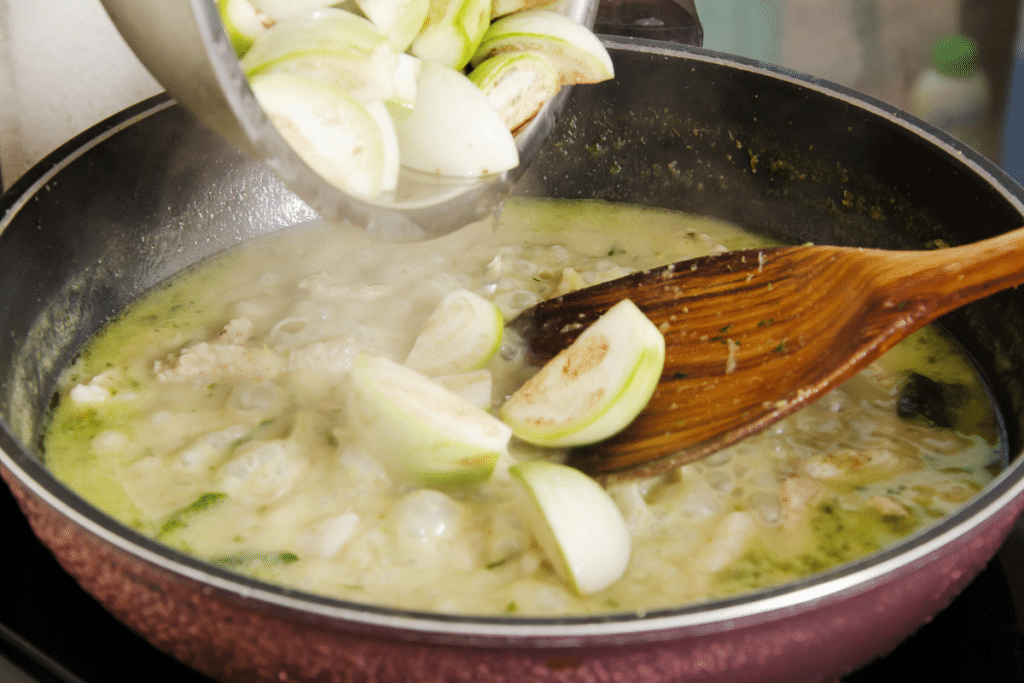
(955, 55)
(953, 93)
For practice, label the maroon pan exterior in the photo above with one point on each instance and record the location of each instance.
(149, 192)
(233, 633)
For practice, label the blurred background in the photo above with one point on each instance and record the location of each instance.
(884, 48)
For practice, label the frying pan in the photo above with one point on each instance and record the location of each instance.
(145, 194)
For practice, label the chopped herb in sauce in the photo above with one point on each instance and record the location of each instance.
(244, 461)
(180, 517)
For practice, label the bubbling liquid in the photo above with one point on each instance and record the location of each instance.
(211, 416)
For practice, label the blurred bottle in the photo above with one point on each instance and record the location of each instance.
(953, 93)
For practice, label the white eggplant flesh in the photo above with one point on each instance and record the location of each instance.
(476, 386)
(576, 522)
(399, 20)
(461, 334)
(407, 81)
(337, 136)
(243, 23)
(452, 31)
(517, 84)
(453, 130)
(500, 8)
(331, 45)
(422, 433)
(390, 162)
(576, 53)
(595, 387)
(282, 9)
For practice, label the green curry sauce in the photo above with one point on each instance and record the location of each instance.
(242, 456)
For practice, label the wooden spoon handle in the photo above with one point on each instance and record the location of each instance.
(753, 336)
(945, 279)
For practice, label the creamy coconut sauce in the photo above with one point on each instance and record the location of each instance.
(211, 416)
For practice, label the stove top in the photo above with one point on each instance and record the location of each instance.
(43, 613)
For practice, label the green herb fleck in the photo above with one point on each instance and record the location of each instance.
(179, 518)
(250, 561)
(204, 501)
(170, 525)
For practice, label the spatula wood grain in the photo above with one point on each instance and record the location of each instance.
(751, 336)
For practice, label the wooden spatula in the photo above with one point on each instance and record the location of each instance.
(751, 336)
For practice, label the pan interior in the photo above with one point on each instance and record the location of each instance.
(784, 157)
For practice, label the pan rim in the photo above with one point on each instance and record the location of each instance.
(749, 609)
